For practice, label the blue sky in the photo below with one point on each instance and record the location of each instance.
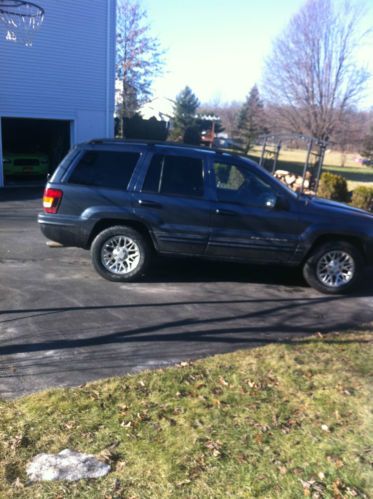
(217, 47)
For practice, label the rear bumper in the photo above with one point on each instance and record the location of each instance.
(64, 230)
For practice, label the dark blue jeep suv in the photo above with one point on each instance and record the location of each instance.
(126, 200)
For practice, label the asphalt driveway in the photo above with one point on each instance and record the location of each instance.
(63, 325)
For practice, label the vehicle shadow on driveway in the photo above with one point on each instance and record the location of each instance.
(178, 270)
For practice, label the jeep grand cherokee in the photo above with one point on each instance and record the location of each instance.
(125, 200)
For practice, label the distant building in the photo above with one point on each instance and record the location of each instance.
(160, 108)
(59, 91)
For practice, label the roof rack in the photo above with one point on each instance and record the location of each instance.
(157, 143)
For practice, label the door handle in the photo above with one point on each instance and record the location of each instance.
(149, 204)
(225, 212)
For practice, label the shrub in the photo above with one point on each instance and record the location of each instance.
(333, 187)
(362, 197)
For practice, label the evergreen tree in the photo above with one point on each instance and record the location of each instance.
(185, 109)
(367, 151)
(250, 121)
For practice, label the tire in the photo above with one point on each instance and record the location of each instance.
(334, 267)
(120, 254)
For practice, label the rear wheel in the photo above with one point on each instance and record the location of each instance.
(120, 254)
(334, 267)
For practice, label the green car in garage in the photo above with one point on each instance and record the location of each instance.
(25, 164)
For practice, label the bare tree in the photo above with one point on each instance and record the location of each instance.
(367, 146)
(349, 132)
(138, 56)
(312, 77)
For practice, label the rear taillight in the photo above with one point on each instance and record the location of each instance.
(52, 200)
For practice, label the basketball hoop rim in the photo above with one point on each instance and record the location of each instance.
(21, 3)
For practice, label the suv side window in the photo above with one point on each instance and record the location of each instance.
(175, 175)
(105, 169)
(235, 184)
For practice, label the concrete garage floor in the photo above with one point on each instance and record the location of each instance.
(62, 325)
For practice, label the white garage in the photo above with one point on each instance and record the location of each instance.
(57, 82)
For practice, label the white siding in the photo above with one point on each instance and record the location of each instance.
(68, 73)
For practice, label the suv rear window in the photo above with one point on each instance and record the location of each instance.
(105, 169)
(176, 175)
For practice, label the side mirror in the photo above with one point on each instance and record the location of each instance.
(276, 202)
(271, 201)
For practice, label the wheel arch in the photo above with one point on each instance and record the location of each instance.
(111, 222)
(327, 238)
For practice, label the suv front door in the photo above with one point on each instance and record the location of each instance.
(246, 222)
(173, 202)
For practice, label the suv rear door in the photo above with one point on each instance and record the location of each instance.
(172, 200)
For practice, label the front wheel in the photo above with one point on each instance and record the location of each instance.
(120, 254)
(334, 267)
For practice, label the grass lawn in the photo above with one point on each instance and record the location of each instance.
(293, 161)
(285, 420)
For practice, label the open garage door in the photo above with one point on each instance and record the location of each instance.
(32, 148)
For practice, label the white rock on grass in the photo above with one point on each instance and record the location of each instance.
(67, 465)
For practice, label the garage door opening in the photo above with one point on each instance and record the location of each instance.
(32, 148)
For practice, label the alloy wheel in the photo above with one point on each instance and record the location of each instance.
(335, 269)
(120, 255)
